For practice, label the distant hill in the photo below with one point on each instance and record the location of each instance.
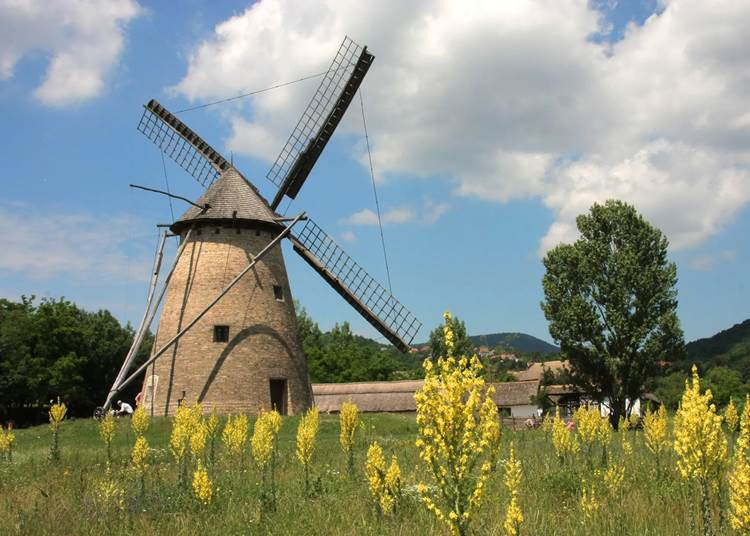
(520, 342)
(728, 347)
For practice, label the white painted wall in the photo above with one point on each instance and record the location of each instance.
(604, 407)
(528, 410)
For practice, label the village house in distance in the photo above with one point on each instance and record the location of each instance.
(517, 399)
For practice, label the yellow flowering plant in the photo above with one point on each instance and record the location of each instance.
(139, 460)
(212, 432)
(264, 443)
(307, 430)
(700, 444)
(56, 416)
(563, 440)
(739, 476)
(513, 475)
(202, 486)
(107, 428)
(656, 434)
(7, 438)
(348, 422)
(592, 430)
(731, 417)
(234, 436)
(140, 421)
(457, 424)
(385, 484)
(186, 420)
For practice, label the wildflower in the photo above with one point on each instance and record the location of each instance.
(264, 447)
(139, 421)
(513, 517)
(385, 485)
(613, 478)
(306, 433)
(234, 435)
(547, 424)
(185, 422)
(592, 430)
(56, 417)
(212, 431)
(109, 495)
(202, 486)
(7, 438)
(139, 460)
(739, 477)
(700, 443)
(107, 433)
(623, 424)
(731, 417)
(198, 440)
(655, 433)
(564, 441)
(348, 421)
(589, 501)
(457, 421)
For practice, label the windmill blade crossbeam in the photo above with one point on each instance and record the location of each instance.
(378, 306)
(320, 119)
(181, 144)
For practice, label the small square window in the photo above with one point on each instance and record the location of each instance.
(278, 293)
(218, 230)
(221, 333)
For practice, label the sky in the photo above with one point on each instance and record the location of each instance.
(491, 124)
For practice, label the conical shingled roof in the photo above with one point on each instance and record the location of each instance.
(231, 197)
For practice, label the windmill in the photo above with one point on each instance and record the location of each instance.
(227, 335)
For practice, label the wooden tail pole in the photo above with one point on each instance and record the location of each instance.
(148, 317)
(213, 302)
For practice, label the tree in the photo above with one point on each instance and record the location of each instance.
(462, 343)
(611, 301)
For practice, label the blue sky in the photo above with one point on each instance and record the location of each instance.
(490, 129)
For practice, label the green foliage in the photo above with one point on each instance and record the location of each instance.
(57, 349)
(611, 301)
(462, 342)
(340, 356)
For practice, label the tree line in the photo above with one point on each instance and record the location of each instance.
(53, 348)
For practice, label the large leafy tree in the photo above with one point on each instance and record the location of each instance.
(611, 301)
(461, 342)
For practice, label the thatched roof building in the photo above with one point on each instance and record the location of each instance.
(398, 396)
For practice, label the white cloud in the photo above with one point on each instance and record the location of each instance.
(349, 236)
(84, 41)
(430, 213)
(705, 263)
(42, 244)
(513, 100)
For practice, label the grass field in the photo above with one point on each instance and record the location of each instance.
(41, 497)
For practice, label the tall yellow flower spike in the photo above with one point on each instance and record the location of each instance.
(234, 435)
(513, 517)
(458, 424)
(202, 486)
(700, 443)
(385, 485)
(564, 441)
(140, 421)
(731, 417)
(655, 432)
(739, 477)
(107, 433)
(307, 431)
(348, 421)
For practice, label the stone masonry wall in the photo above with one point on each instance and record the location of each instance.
(264, 341)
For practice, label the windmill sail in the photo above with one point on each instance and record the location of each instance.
(181, 144)
(378, 306)
(320, 119)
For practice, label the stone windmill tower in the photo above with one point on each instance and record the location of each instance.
(227, 334)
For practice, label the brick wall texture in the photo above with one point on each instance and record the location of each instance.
(264, 341)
